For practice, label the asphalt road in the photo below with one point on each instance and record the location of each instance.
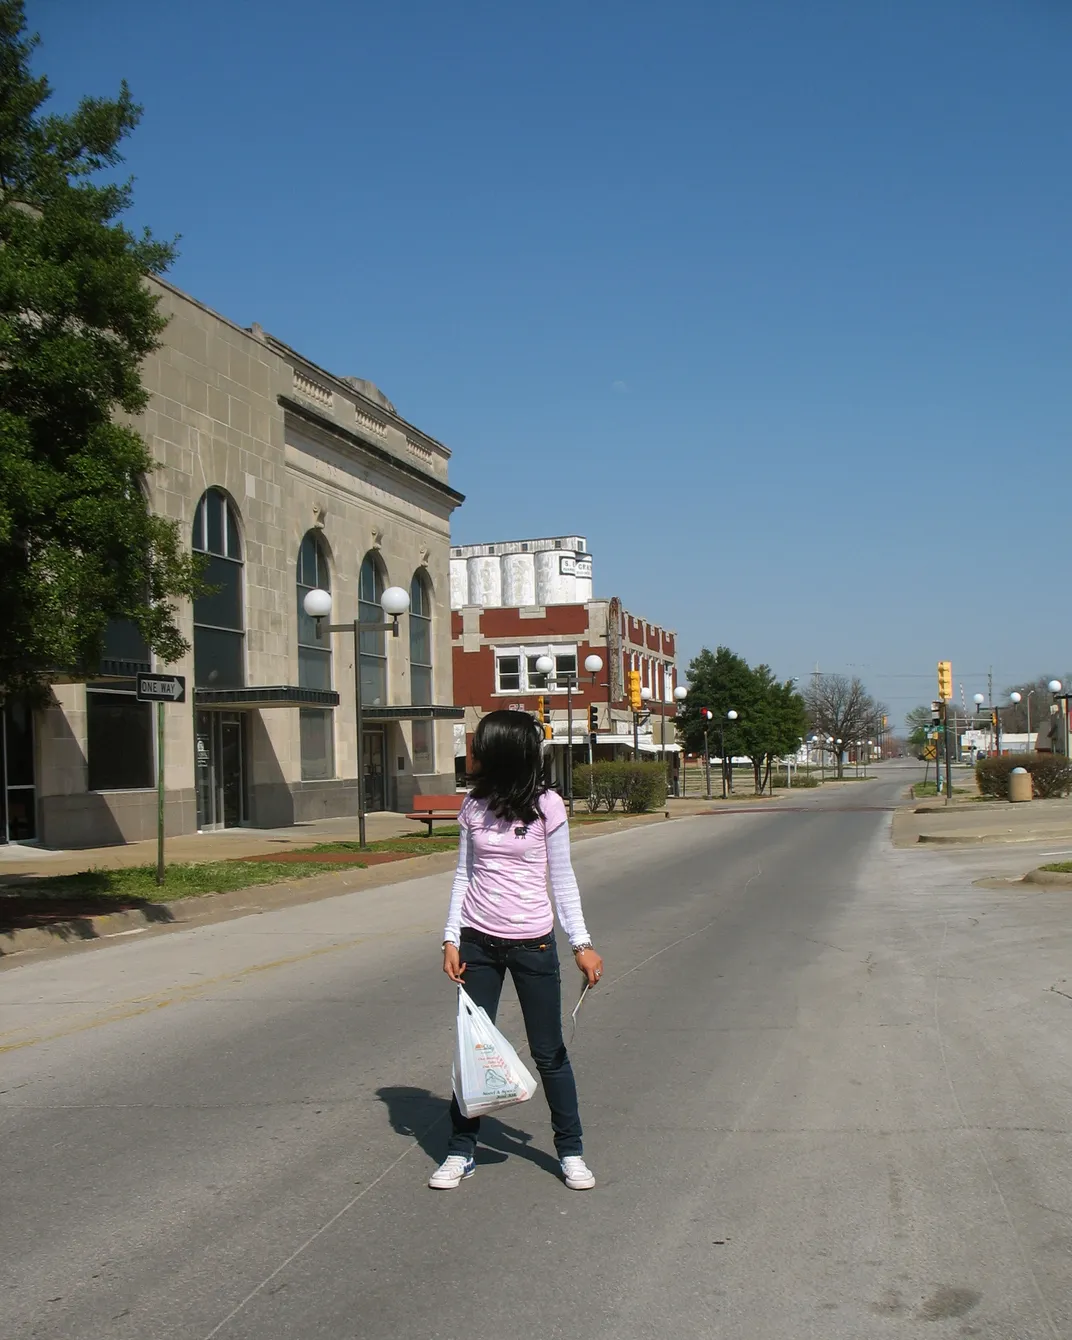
(826, 1085)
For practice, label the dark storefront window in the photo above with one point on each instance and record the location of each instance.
(314, 665)
(219, 625)
(373, 645)
(420, 639)
(119, 737)
(18, 798)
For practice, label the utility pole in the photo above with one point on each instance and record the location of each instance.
(990, 705)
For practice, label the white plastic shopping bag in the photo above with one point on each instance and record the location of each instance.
(488, 1073)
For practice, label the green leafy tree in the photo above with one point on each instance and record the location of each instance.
(771, 718)
(719, 681)
(781, 723)
(79, 545)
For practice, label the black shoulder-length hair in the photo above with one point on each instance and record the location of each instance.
(508, 771)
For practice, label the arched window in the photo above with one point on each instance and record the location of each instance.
(314, 664)
(420, 668)
(219, 625)
(370, 588)
(420, 639)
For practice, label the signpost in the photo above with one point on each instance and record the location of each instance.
(160, 689)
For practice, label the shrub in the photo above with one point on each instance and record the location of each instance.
(638, 787)
(1051, 774)
(801, 779)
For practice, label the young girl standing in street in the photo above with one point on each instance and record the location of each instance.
(514, 834)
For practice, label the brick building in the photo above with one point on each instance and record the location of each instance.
(515, 601)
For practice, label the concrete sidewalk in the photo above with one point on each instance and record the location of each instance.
(231, 843)
(981, 822)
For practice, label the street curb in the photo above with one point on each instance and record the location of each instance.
(1054, 877)
(967, 839)
(257, 898)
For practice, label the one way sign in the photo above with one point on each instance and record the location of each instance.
(161, 688)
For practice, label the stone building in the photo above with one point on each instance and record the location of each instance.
(286, 477)
(515, 601)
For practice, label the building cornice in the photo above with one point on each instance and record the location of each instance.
(348, 391)
(327, 424)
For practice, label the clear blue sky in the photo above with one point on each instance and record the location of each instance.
(771, 300)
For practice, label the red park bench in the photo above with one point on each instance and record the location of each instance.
(435, 809)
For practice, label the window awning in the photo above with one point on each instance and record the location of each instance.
(413, 712)
(279, 695)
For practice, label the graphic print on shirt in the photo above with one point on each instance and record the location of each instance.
(507, 892)
(511, 900)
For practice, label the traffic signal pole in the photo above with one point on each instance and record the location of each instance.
(945, 696)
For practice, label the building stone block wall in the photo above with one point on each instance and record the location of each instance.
(295, 449)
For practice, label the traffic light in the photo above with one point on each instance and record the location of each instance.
(593, 719)
(635, 700)
(707, 714)
(945, 680)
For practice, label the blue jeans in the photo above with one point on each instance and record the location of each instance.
(533, 964)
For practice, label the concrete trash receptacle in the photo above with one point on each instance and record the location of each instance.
(1019, 785)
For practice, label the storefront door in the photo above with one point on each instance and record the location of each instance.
(18, 794)
(220, 763)
(373, 754)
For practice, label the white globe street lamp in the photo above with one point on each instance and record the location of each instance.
(1055, 686)
(727, 773)
(680, 693)
(317, 605)
(545, 666)
(395, 601)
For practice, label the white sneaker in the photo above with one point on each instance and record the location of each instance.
(451, 1172)
(578, 1175)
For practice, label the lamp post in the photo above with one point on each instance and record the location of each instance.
(1016, 698)
(593, 664)
(546, 667)
(978, 699)
(680, 694)
(394, 603)
(1055, 686)
(731, 715)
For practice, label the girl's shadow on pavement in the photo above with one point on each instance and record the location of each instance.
(424, 1116)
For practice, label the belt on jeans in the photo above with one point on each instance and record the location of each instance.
(470, 936)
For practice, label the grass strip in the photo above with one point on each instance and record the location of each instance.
(138, 884)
